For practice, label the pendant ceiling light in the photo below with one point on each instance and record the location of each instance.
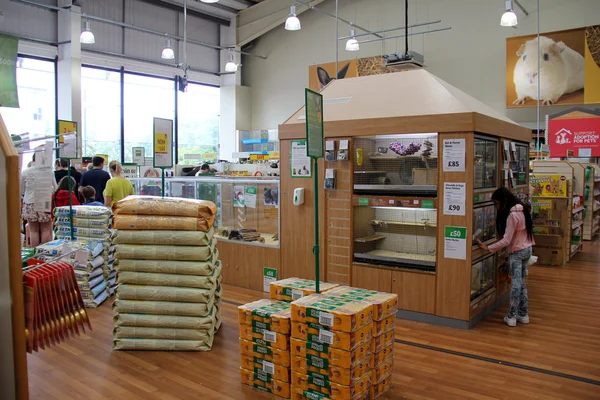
(168, 53)
(352, 43)
(231, 66)
(209, 1)
(292, 23)
(87, 37)
(509, 18)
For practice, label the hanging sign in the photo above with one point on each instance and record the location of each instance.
(548, 185)
(238, 196)
(130, 170)
(43, 175)
(139, 155)
(314, 123)
(65, 127)
(300, 163)
(454, 198)
(163, 143)
(69, 147)
(454, 155)
(9, 96)
(580, 134)
(455, 242)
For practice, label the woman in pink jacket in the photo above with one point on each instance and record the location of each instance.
(513, 223)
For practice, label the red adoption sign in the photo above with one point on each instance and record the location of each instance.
(581, 135)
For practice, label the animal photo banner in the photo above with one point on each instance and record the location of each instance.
(9, 96)
(321, 75)
(569, 68)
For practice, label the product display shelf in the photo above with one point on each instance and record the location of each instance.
(589, 201)
(557, 215)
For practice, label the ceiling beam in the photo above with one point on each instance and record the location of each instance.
(218, 6)
(259, 19)
(190, 11)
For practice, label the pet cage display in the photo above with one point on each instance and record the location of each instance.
(395, 236)
(482, 276)
(247, 209)
(520, 166)
(396, 165)
(486, 163)
(484, 229)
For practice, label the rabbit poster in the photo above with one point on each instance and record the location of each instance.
(321, 75)
(568, 72)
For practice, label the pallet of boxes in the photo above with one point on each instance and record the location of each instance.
(336, 349)
(91, 234)
(169, 274)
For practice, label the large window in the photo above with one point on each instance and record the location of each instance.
(37, 112)
(145, 98)
(198, 120)
(101, 112)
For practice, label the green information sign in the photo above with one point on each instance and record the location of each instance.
(363, 201)
(314, 124)
(427, 203)
(269, 275)
(455, 242)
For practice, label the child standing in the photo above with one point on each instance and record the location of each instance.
(514, 224)
(89, 194)
(62, 194)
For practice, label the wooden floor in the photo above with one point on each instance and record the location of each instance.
(557, 356)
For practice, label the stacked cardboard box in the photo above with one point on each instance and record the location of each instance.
(331, 348)
(385, 306)
(265, 346)
(291, 289)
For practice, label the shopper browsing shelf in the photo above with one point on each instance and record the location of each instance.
(39, 223)
(95, 178)
(118, 187)
(62, 194)
(513, 223)
(89, 194)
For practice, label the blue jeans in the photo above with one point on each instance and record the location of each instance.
(519, 302)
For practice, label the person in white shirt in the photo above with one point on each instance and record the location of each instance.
(39, 222)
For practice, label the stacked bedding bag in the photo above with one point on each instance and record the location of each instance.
(169, 274)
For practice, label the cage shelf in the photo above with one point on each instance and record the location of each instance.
(577, 224)
(389, 257)
(372, 238)
(578, 209)
(382, 223)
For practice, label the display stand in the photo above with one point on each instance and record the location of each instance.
(428, 260)
(12, 337)
(591, 195)
(555, 246)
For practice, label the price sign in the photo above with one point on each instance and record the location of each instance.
(163, 143)
(454, 155)
(455, 242)
(454, 198)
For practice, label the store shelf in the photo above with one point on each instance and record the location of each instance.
(597, 180)
(577, 224)
(380, 222)
(367, 239)
(575, 248)
(397, 157)
(596, 229)
(578, 209)
(371, 172)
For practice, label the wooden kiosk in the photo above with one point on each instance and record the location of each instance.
(375, 114)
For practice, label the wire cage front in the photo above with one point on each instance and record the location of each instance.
(395, 237)
(396, 165)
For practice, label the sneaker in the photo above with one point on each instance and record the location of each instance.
(523, 320)
(510, 321)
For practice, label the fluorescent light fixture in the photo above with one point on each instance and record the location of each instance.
(292, 23)
(352, 43)
(509, 18)
(168, 53)
(231, 66)
(87, 37)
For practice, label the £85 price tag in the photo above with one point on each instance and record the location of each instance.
(454, 164)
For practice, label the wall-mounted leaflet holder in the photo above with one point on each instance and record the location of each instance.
(330, 178)
(330, 150)
(506, 146)
(342, 154)
(513, 150)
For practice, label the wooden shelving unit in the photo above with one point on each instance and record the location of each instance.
(592, 186)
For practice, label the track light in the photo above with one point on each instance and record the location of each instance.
(509, 18)
(352, 43)
(168, 53)
(87, 37)
(292, 23)
(231, 66)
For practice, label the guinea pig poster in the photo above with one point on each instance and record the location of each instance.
(567, 70)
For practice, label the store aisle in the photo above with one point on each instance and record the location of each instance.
(557, 356)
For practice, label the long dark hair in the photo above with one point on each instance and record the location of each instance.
(506, 201)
